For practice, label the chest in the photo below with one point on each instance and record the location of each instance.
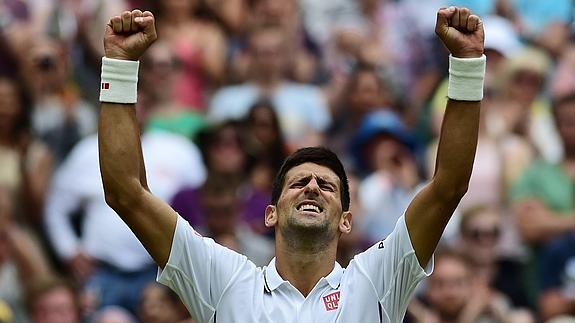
(355, 302)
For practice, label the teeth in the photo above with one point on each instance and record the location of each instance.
(309, 207)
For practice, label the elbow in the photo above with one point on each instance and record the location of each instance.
(120, 197)
(450, 191)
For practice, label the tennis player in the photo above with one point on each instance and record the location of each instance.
(309, 208)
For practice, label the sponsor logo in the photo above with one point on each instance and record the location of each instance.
(105, 86)
(331, 301)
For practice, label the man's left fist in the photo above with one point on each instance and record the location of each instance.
(460, 31)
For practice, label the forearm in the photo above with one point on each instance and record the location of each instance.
(456, 150)
(536, 224)
(121, 161)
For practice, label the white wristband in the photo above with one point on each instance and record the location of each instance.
(466, 78)
(119, 81)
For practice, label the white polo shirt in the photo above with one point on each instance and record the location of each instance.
(220, 285)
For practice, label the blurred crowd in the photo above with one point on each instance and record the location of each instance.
(230, 88)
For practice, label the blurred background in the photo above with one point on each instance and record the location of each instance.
(230, 88)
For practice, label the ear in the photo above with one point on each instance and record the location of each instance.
(345, 222)
(270, 218)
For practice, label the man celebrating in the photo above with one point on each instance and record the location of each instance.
(309, 207)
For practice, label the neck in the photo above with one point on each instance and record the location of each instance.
(304, 267)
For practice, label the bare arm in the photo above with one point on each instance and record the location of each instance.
(431, 209)
(537, 224)
(120, 152)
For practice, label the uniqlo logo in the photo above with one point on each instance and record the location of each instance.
(105, 86)
(331, 301)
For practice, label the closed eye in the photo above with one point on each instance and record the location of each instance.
(327, 187)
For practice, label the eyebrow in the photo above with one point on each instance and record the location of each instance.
(320, 180)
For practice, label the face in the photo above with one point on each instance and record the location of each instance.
(160, 70)
(225, 153)
(526, 86)
(449, 286)
(56, 306)
(274, 12)
(263, 126)
(178, 6)
(45, 67)
(481, 235)
(565, 120)
(268, 52)
(157, 307)
(310, 205)
(365, 94)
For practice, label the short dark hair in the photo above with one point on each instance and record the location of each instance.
(317, 155)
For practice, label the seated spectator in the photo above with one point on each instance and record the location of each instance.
(557, 277)
(453, 295)
(105, 257)
(159, 304)
(52, 300)
(22, 261)
(199, 46)
(266, 150)
(519, 100)
(25, 163)
(157, 100)
(364, 92)
(301, 108)
(384, 151)
(60, 116)
(481, 230)
(543, 197)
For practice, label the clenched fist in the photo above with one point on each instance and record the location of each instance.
(460, 31)
(129, 35)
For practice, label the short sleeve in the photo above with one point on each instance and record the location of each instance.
(199, 270)
(394, 270)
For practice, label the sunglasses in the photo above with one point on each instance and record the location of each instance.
(482, 234)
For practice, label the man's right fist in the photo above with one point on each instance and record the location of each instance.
(129, 35)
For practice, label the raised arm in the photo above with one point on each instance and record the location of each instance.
(120, 152)
(431, 209)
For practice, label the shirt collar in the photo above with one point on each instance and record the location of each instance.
(273, 280)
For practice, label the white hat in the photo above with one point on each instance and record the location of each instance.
(501, 36)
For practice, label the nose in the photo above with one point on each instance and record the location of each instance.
(312, 187)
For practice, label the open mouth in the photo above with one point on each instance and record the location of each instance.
(309, 207)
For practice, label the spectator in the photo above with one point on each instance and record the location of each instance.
(25, 163)
(224, 155)
(544, 23)
(301, 109)
(22, 261)
(366, 91)
(159, 73)
(523, 109)
(557, 277)
(286, 16)
(159, 304)
(200, 48)
(481, 230)
(52, 300)
(453, 295)
(266, 148)
(106, 258)
(543, 197)
(384, 151)
(60, 116)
